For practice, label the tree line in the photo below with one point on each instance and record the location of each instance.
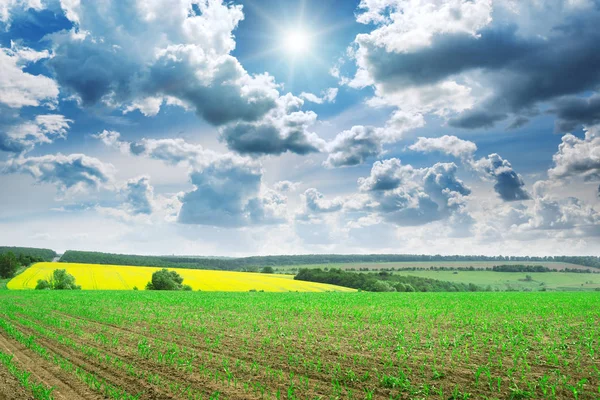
(10, 263)
(536, 268)
(32, 253)
(255, 262)
(382, 282)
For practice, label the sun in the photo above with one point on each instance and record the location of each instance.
(296, 42)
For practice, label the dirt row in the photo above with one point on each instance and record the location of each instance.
(65, 385)
(10, 389)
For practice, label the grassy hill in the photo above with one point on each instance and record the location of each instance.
(515, 280)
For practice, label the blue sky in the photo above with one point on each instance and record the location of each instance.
(269, 127)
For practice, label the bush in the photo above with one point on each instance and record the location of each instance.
(43, 284)
(268, 270)
(59, 280)
(166, 280)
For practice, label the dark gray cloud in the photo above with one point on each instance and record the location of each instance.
(572, 112)
(493, 49)
(566, 63)
(283, 129)
(521, 64)
(477, 118)
(260, 139)
(508, 184)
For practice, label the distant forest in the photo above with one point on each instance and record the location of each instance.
(253, 263)
(383, 282)
(30, 252)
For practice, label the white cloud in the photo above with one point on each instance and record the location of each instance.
(18, 88)
(327, 96)
(408, 196)
(578, 157)
(445, 144)
(286, 186)
(7, 7)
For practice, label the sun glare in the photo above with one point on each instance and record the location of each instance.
(296, 42)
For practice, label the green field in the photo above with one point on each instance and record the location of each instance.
(201, 345)
(495, 280)
(515, 280)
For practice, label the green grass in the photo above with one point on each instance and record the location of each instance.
(323, 345)
(39, 390)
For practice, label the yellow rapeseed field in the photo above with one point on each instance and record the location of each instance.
(121, 277)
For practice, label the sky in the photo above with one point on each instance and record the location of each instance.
(249, 127)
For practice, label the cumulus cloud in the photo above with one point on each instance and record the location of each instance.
(509, 185)
(409, 196)
(283, 129)
(360, 143)
(42, 129)
(317, 203)
(509, 63)
(446, 144)
(186, 62)
(112, 139)
(578, 157)
(551, 213)
(70, 173)
(228, 189)
(19, 88)
(353, 147)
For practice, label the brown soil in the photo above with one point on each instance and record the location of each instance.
(10, 389)
(66, 386)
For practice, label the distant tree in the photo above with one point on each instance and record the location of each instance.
(268, 270)
(8, 265)
(528, 278)
(382, 286)
(165, 280)
(59, 280)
